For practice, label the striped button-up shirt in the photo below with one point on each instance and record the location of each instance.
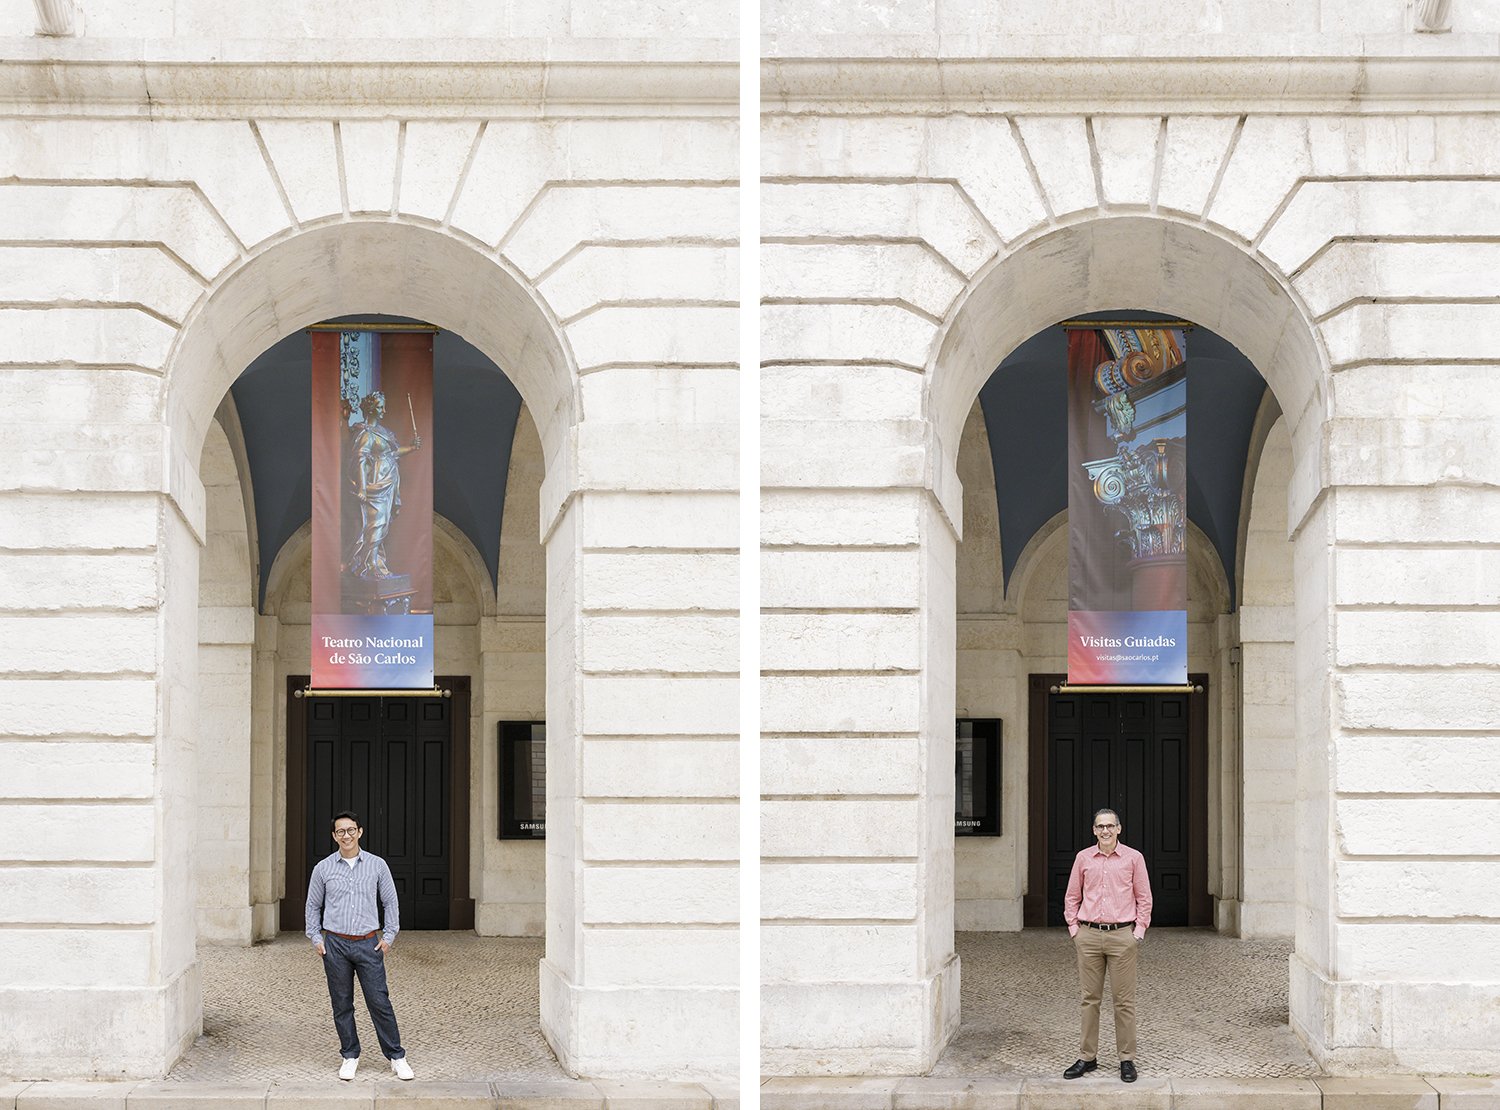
(1109, 889)
(342, 899)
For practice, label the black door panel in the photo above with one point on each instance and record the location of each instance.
(387, 759)
(1128, 752)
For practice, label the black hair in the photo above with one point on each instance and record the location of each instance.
(346, 813)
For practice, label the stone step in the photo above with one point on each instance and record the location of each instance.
(1093, 1092)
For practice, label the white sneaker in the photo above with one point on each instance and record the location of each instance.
(349, 1067)
(402, 1069)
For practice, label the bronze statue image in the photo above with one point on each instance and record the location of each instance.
(374, 475)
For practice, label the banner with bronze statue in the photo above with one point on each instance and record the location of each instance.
(1127, 504)
(372, 509)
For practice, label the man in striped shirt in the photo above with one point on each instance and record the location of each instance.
(1109, 895)
(344, 898)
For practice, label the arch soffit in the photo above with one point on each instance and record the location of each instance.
(387, 266)
(297, 551)
(1047, 547)
(1099, 263)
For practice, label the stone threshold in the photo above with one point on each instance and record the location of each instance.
(367, 1094)
(1104, 1090)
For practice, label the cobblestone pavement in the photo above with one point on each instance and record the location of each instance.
(467, 1007)
(1205, 1005)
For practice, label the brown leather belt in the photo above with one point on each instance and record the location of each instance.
(1106, 926)
(346, 936)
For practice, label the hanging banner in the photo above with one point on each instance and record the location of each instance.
(1127, 505)
(371, 510)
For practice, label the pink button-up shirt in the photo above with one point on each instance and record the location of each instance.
(1108, 889)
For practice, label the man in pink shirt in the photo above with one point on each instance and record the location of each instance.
(1108, 910)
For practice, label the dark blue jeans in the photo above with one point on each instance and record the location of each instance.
(342, 961)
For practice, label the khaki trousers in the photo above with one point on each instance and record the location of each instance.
(1115, 950)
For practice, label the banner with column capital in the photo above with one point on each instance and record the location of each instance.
(1127, 505)
(372, 624)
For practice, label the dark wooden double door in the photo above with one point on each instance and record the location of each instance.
(1143, 755)
(388, 759)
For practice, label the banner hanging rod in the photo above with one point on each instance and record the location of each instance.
(1185, 325)
(310, 692)
(1065, 688)
(373, 325)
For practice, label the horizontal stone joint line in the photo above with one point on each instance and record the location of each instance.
(647, 302)
(840, 672)
(683, 863)
(657, 672)
(832, 610)
(667, 241)
(111, 244)
(618, 925)
(866, 241)
(772, 363)
(1417, 795)
(1413, 607)
(92, 306)
(866, 302)
(829, 796)
(627, 800)
(596, 611)
(1418, 857)
(80, 926)
(131, 673)
(1408, 919)
(1360, 302)
(1424, 360)
(835, 920)
(145, 802)
(659, 364)
(74, 737)
(860, 548)
(1400, 240)
(67, 552)
(75, 864)
(100, 367)
(647, 550)
(838, 861)
(841, 734)
(1461, 670)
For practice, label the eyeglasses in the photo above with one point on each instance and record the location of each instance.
(345, 834)
(1105, 828)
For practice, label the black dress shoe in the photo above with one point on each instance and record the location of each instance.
(1127, 1070)
(1079, 1067)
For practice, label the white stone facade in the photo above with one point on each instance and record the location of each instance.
(1311, 181)
(185, 184)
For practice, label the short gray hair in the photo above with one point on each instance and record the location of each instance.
(1112, 812)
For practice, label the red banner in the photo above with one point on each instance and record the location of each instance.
(372, 510)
